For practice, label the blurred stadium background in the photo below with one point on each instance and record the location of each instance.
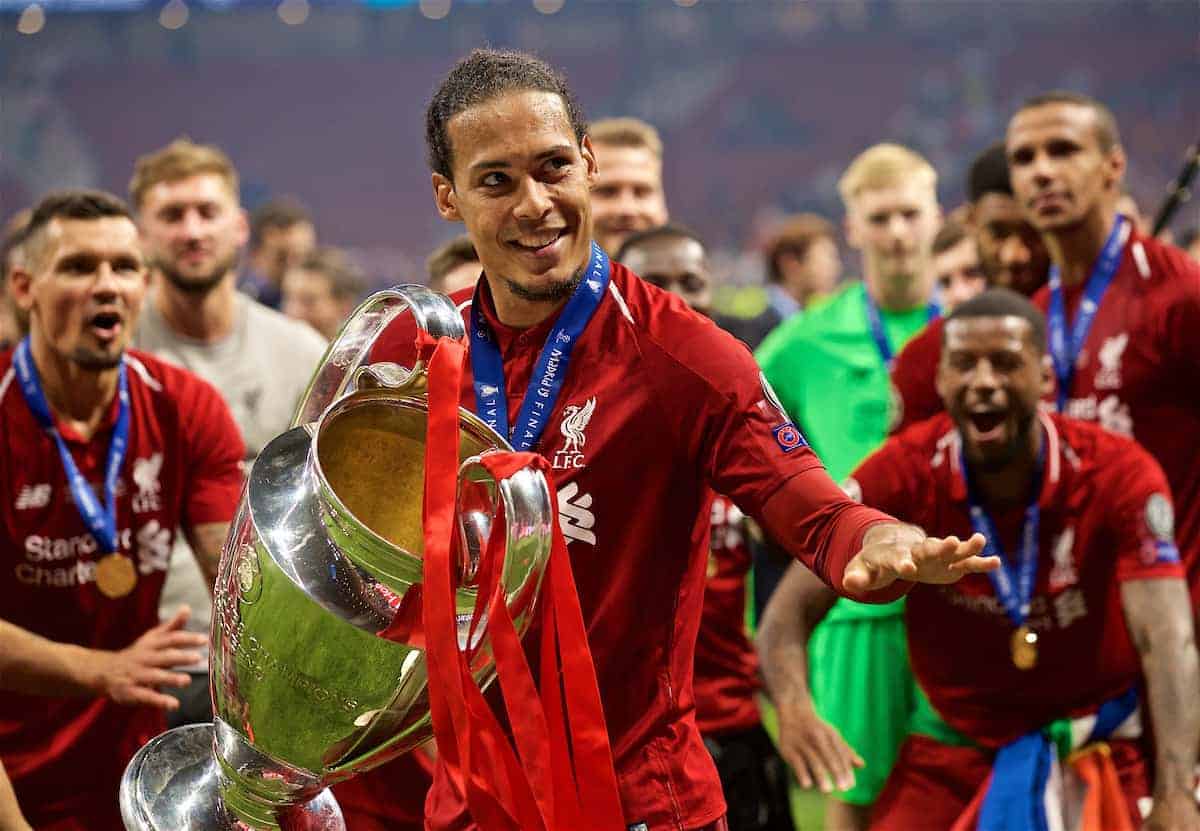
(761, 104)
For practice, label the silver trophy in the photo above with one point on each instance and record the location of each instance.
(321, 557)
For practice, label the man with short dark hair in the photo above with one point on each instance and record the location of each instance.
(674, 259)
(453, 266)
(1011, 255)
(653, 407)
(1044, 672)
(104, 453)
(323, 289)
(1123, 309)
(282, 234)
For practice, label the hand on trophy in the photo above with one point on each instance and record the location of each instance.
(892, 552)
(134, 674)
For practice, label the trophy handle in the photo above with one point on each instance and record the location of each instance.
(344, 367)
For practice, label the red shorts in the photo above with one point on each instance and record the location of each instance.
(933, 783)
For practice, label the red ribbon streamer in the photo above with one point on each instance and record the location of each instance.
(561, 769)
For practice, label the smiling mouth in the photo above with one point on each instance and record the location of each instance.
(539, 243)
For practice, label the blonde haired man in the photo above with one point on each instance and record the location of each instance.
(193, 230)
(830, 369)
(628, 195)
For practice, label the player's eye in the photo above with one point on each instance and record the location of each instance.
(493, 180)
(1022, 155)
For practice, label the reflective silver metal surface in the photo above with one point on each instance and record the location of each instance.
(172, 785)
(323, 555)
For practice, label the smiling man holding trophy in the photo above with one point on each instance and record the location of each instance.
(329, 650)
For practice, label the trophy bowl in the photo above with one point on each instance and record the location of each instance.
(322, 558)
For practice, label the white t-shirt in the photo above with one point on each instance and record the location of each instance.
(261, 369)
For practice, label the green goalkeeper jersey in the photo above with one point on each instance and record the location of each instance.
(831, 378)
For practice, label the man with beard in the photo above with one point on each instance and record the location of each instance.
(1011, 255)
(628, 195)
(675, 408)
(1044, 669)
(753, 776)
(105, 453)
(194, 229)
(1123, 310)
(830, 367)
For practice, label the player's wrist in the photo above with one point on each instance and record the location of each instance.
(891, 534)
(88, 668)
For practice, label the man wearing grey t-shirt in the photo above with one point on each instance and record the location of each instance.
(193, 230)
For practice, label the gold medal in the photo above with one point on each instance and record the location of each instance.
(115, 575)
(1024, 648)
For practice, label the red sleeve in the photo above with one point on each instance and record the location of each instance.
(914, 377)
(1143, 517)
(715, 399)
(215, 452)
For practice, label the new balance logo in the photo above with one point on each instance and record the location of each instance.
(33, 496)
(574, 514)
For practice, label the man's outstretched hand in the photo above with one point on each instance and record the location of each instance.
(893, 551)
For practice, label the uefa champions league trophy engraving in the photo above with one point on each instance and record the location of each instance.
(324, 555)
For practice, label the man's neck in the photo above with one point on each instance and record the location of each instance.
(80, 397)
(206, 317)
(1075, 250)
(898, 293)
(1012, 484)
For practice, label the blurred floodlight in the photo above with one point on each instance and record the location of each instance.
(173, 15)
(293, 12)
(548, 6)
(32, 20)
(435, 9)
(687, 4)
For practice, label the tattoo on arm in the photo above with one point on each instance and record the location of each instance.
(1159, 617)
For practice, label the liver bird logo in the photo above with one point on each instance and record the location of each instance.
(574, 421)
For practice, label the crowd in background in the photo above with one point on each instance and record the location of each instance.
(248, 300)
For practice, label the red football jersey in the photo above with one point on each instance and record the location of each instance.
(1105, 518)
(726, 679)
(676, 408)
(914, 377)
(1138, 372)
(181, 468)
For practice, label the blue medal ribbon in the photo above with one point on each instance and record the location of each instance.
(1065, 352)
(100, 519)
(1013, 582)
(879, 334)
(487, 365)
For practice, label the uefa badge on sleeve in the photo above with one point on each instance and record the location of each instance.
(788, 437)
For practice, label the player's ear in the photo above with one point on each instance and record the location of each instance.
(589, 158)
(445, 198)
(20, 287)
(1114, 166)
